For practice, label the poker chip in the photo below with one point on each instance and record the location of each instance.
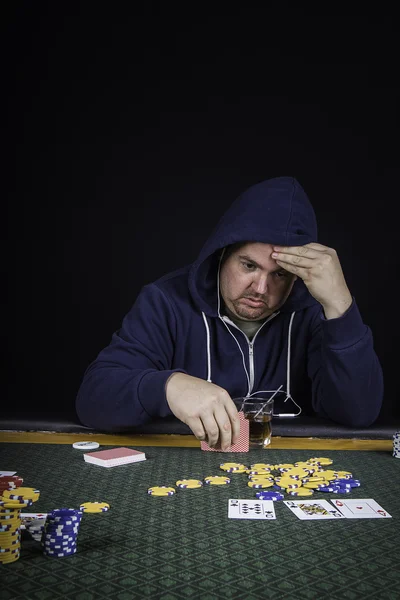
(300, 492)
(343, 475)
(322, 461)
(189, 484)
(265, 477)
(94, 507)
(312, 485)
(161, 490)
(229, 466)
(260, 484)
(282, 466)
(60, 532)
(269, 495)
(22, 494)
(216, 480)
(15, 504)
(352, 483)
(85, 445)
(262, 467)
(326, 488)
(396, 444)
(10, 482)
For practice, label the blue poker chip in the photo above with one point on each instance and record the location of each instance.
(58, 553)
(58, 532)
(270, 496)
(63, 547)
(59, 540)
(327, 488)
(342, 490)
(354, 482)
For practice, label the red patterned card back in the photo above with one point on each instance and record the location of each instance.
(241, 446)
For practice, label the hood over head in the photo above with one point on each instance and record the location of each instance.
(275, 211)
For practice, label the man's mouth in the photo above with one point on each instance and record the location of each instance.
(254, 302)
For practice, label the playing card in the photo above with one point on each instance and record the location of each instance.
(313, 509)
(241, 446)
(251, 509)
(361, 509)
(27, 518)
(7, 473)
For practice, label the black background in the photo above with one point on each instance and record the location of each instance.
(132, 132)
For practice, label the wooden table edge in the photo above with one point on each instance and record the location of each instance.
(189, 441)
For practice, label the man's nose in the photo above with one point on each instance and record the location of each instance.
(260, 284)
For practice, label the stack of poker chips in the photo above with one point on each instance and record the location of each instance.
(14, 499)
(396, 444)
(60, 532)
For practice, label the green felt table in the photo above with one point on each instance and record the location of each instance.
(186, 547)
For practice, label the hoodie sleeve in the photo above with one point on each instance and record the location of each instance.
(347, 379)
(125, 386)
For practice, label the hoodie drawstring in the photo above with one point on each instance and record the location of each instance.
(249, 395)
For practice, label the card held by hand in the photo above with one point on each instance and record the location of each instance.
(241, 446)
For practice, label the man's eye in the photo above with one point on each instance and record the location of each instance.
(281, 274)
(248, 266)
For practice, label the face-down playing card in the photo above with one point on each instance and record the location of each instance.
(241, 446)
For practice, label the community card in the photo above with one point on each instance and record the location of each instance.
(28, 518)
(251, 509)
(7, 473)
(241, 446)
(361, 509)
(313, 509)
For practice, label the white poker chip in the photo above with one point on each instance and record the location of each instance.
(85, 445)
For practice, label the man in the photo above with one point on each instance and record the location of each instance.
(264, 308)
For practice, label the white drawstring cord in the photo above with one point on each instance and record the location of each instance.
(249, 395)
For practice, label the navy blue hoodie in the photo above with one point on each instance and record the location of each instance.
(321, 366)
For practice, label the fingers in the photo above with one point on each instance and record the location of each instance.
(196, 426)
(235, 421)
(224, 427)
(211, 429)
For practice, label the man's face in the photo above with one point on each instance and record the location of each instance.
(252, 285)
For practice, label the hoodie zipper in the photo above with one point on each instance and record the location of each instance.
(251, 348)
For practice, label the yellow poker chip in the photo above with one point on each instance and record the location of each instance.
(283, 466)
(260, 484)
(94, 507)
(262, 467)
(231, 466)
(289, 484)
(313, 479)
(300, 492)
(217, 480)
(343, 474)
(312, 485)
(258, 471)
(265, 477)
(22, 493)
(297, 471)
(16, 504)
(282, 481)
(15, 516)
(161, 490)
(189, 484)
(329, 475)
(322, 461)
(236, 471)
